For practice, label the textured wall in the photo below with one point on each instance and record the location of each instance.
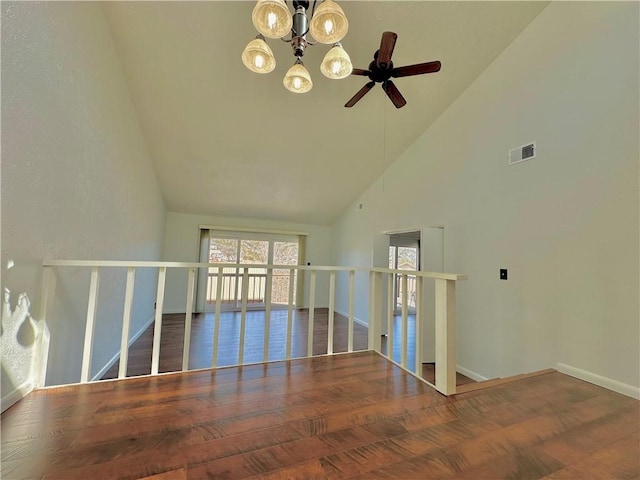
(565, 224)
(77, 181)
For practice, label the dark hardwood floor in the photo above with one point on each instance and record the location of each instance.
(354, 416)
(201, 346)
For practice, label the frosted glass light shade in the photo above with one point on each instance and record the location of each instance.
(272, 18)
(258, 57)
(297, 79)
(329, 23)
(336, 63)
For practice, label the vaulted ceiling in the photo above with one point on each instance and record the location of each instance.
(227, 141)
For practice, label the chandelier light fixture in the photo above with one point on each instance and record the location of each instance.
(273, 19)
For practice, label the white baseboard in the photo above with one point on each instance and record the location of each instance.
(355, 319)
(471, 374)
(116, 357)
(605, 382)
(16, 395)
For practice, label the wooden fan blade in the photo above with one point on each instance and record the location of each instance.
(359, 71)
(394, 94)
(418, 69)
(361, 93)
(387, 44)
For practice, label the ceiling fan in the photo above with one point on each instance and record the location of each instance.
(381, 70)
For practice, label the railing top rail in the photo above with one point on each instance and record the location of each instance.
(154, 264)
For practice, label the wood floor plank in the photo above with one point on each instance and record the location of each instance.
(619, 460)
(345, 416)
(180, 474)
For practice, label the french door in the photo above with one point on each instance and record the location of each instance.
(248, 249)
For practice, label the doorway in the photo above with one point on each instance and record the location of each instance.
(404, 254)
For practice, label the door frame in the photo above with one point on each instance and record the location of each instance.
(432, 239)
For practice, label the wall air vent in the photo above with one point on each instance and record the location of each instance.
(520, 154)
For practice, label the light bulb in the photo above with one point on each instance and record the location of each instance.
(258, 61)
(272, 20)
(328, 26)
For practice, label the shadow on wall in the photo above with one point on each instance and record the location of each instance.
(18, 335)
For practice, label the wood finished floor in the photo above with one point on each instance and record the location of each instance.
(201, 346)
(353, 416)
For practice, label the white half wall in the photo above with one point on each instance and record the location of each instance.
(77, 182)
(182, 244)
(564, 224)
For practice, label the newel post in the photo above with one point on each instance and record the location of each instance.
(375, 311)
(445, 303)
(47, 293)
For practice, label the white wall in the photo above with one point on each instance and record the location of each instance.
(77, 181)
(565, 224)
(182, 244)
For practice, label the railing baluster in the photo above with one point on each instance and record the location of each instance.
(375, 318)
(216, 327)
(330, 320)
(91, 317)
(419, 336)
(267, 315)
(243, 314)
(312, 306)
(157, 328)
(292, 274)
(405, 322)
(445, 336)
(390, 309)
(187, 319)
(47, 296)
(126, 322)
(352, 275)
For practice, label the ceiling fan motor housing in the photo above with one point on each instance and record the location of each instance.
(380, 74)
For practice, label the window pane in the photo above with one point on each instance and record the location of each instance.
(254, 251)
(223, 250)
(407, 258)
(285, 253)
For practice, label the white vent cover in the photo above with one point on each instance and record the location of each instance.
(520, 154)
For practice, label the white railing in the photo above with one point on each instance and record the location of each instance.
(380, 292)
(257, 288)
